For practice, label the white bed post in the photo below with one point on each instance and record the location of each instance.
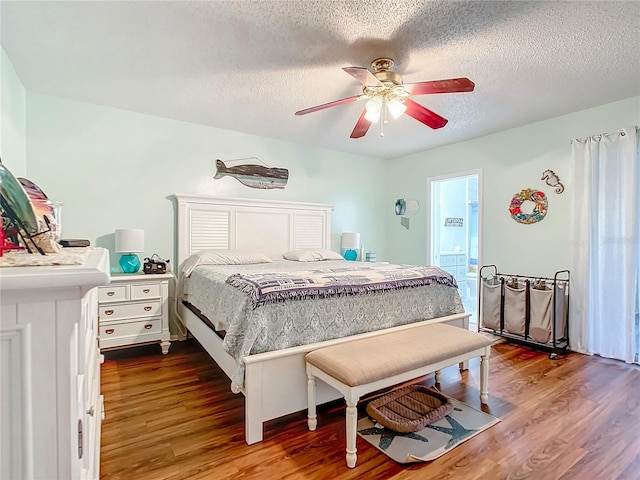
(465, 324)
(253, 413)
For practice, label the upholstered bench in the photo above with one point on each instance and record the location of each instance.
(366, 365)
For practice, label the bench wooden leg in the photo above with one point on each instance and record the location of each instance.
(312, 418)
(484, 379)
(352, 420)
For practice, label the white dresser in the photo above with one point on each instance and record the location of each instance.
(456, 264)
(50, 402)
(134, 309)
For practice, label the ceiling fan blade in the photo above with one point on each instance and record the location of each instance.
(364, 76)
(451, 85)
(424, 115)
(328, 105)
(362, 126)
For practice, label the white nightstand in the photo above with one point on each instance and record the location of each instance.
(134, 309)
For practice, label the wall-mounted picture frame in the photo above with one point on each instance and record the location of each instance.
(413, 207)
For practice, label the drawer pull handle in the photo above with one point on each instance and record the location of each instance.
(91, 411)
(110, 294)
(109, 331)
(147, 309)
(108, 312)
(146, 290)
(148, 326)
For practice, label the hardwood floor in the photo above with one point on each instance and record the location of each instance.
(171, 417)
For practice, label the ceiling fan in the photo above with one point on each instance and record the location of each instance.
(385, 94)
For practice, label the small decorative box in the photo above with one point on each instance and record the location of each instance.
(155, 264)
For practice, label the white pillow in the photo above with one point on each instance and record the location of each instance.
(312, 255)
(220, 257)
(231, 257)
(216, 257)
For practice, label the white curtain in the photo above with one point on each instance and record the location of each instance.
(605, 245)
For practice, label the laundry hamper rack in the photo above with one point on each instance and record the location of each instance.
(526, 309)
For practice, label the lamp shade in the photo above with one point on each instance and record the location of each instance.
(396, 107)
(129, 240)
(373, 107)
(350, 240)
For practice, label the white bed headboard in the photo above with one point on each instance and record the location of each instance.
(268, 226)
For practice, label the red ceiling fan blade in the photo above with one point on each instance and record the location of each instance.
(362, 126)
(424, 115)
(364, 76)
(328, 105)
(451, 85)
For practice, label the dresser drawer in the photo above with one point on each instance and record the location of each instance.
(130, 332)
(143, 291)
(447, 260)
(151, 308)
(112, 293)
(451, 270)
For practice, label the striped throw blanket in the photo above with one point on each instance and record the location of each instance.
(278, 286)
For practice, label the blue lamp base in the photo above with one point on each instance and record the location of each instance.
(351, 255)
(129, 263)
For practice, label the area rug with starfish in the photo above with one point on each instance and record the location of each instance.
(436, 439)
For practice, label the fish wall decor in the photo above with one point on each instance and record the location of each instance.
(254, 176)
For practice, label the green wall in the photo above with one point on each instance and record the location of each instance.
(116, 169)
(510, 161)
(13, 122)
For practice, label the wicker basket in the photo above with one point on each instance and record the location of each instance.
(409, 409)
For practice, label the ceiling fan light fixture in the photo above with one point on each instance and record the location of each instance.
(373, 117)
(387, 97)
(374, 105)
(373, 108)
(396, 107)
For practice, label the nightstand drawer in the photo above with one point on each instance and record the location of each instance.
(130, 310)
(112, 293)
(142, 291)
(110, 334)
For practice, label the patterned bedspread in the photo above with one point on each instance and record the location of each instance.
(273, 325)
(269, 287)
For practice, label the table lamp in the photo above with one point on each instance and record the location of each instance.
(129, 242)
(351, 243)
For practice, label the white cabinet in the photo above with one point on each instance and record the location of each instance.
(134, 309)
(456, 264)
(50, 402)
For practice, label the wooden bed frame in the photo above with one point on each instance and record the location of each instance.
(275, 382)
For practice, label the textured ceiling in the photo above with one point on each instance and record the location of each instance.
(249, 65)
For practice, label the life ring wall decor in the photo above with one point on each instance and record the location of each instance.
(540, 206)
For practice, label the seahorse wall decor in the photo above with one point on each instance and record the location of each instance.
(552, 180)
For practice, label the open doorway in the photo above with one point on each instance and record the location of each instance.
(454, 232)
